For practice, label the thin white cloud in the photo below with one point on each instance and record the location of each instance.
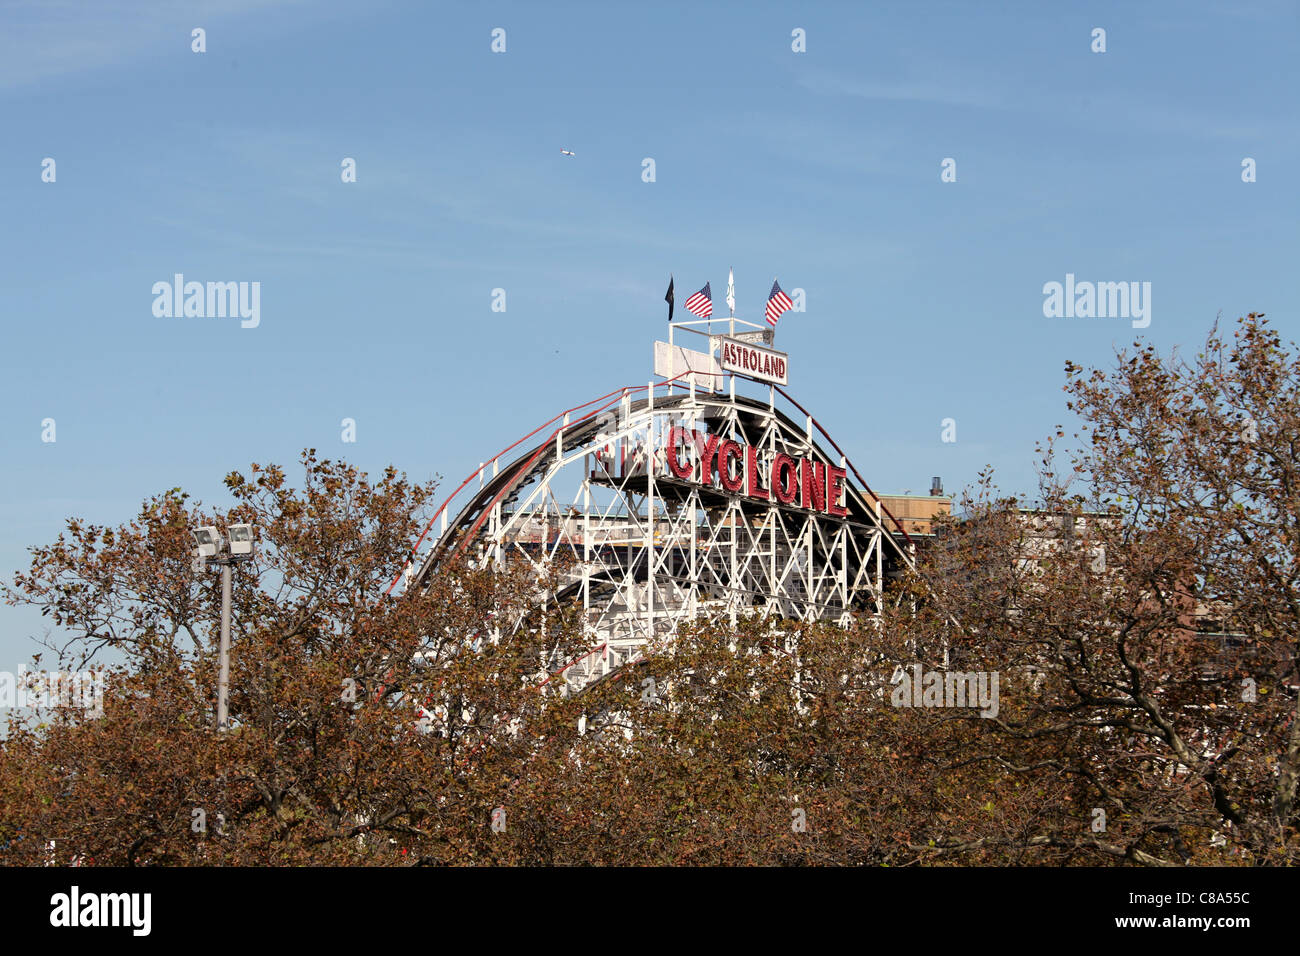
(944, 94)
(1131, 108)
(45, 39)
(406, 189)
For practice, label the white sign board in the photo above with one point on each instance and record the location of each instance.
(754, 361)
(673, 360)
(758, 337)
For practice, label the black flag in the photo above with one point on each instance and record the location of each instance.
(669, 298)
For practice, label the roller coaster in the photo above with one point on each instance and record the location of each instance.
(652, 505)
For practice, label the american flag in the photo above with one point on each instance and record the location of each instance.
(701, 303)
(777, 303)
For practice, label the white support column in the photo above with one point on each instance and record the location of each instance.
(880, 552)
(496, 515)
(649, 550)
(844, 552)
(586, 554)
(692, 503)
(650, 528)
(732, 516)
(773, 516)
(810, 575)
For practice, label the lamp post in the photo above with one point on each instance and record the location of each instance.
(211, 546)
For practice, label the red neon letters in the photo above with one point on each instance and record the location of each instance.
(727, 451)
(817, 487)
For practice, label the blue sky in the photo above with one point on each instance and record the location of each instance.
(924, 298)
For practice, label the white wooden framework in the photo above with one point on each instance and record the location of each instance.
(641, 549)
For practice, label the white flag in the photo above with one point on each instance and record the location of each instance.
(731, 292)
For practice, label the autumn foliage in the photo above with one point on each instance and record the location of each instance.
(1141, 614)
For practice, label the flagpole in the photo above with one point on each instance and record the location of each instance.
(731, 298)
(771, 328)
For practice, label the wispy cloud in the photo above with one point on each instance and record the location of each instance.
(910, 91)
(415, 188)
(1148, 112)
(44, 39)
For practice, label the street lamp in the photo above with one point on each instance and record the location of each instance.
(241, 538)
(208, 540)
(210, 546)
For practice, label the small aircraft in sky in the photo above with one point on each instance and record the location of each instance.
(568, 152)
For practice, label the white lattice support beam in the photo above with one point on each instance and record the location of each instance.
(651, 550)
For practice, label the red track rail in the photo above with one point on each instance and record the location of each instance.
(619, 393)
(826, 435)
(609, 399)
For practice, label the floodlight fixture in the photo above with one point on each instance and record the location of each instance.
(241, 538)
(208, 541)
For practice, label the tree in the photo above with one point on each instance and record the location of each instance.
(1108, 677)
(359, 719)
(1184, 746)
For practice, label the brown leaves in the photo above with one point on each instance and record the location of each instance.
(1112, 698)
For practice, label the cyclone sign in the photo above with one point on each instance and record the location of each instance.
(738, 469)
